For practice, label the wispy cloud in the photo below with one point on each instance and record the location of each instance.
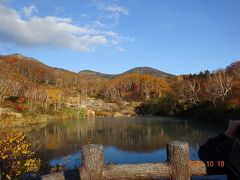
(99, 24)
(117, 9)
(109, 11)
(115, 12)
(120, 49)
(52, 31)
(29, 10)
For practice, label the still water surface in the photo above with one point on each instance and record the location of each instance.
(125, 140)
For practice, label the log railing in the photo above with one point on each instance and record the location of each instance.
(177, 167)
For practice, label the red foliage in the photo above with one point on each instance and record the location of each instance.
(19, 108)
(11, 59)
(21, 100)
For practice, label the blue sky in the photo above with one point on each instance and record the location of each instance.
(174, 36)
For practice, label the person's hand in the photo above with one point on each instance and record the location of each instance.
(232, 129)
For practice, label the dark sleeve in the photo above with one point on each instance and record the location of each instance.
(234, 160)
(216, 149)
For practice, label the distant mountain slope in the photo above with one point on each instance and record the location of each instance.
(25, 65)
(32, 69)
(17, 58)
(234, 69)
(139, 70)
(95, 73)
(149, 71)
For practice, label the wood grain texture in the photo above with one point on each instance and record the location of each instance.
(137, 171)
(92, 162)
(177, 167)
(54, 176)
(197, 168)
(178, 157)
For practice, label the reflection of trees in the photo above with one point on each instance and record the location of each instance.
(132, 134)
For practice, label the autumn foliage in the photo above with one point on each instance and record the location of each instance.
(136, 87)
(16, 156)
(37, 88)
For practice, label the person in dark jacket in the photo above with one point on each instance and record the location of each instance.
(221, 154)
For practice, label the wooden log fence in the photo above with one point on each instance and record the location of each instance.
(177, 167)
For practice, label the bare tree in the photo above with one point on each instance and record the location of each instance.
(9, 88)
(37, 95)
(218, 86)
(186, 91)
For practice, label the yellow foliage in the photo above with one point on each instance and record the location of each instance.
(16, 156)
(53, 95)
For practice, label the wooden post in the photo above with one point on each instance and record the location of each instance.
(197, 168)
(178, 167)
(54, 176)
(92, 162)
(177, 154)
(137, 171)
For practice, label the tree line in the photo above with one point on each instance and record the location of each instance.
(39, 88)
(206, 96)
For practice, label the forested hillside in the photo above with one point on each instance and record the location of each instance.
(27, 85)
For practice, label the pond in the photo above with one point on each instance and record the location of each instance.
(125, 139)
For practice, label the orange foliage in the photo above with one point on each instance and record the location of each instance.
(135, 86)
(234, 99)
(11, 59)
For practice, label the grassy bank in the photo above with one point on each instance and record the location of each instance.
(12, 119)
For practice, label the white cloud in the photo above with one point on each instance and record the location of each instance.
(29, 10)
(117, 9)
(120, 49)
(114, 12)
(98, 24)
(116, 39)
(50, 31)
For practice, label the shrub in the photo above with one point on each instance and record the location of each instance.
(16, 156)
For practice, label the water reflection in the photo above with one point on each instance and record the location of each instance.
(116, 156)
(126, 140)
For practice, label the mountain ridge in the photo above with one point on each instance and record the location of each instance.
(140, 70)
(16, 58)
(148, 70)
